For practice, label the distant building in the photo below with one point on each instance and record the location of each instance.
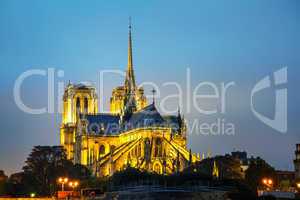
(297, 162)
(285, 180)
(242, 156)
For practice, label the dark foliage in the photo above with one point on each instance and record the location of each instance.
(229, 167)
(43, 167)
(259, 169)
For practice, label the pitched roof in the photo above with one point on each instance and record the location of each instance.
(148, 116)
(173, 121)
(109, 124)
(103, 124)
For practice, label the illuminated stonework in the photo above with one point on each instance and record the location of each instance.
(77, 99)
(133, 134)
(118, 98)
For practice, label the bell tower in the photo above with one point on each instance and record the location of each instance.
(77, 99)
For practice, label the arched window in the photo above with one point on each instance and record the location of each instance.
(102, 150)
(78, 105)
(112, 148)
(147, 149)
(157, 168)
(86, 105)
(158, 148)
(139, 150)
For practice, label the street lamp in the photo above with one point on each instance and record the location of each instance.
(268, 182)
(265, 181)
(32, 195)
(298, 185)
(63, 181)
(73, 184)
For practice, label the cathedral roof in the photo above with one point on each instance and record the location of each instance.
(173, 121)
(103, 124)
(80, 86)
(146, 117)
(109, 124)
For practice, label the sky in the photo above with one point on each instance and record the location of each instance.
(216, 41)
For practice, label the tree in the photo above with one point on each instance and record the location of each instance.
(19, 184)
(258, 169)
(229, 167)
(45, 164)
(3, 179)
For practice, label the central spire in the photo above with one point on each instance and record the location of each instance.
(130, 87)
(129, 66)
(130, 80)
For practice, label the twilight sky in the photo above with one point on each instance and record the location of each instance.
(219, 41)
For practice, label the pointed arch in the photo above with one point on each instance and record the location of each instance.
(77, 105)
(86, 105)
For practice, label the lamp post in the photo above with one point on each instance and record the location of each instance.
(63, 181)
(73, 184)
(268, 182)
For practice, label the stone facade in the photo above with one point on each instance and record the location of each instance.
(133, 134)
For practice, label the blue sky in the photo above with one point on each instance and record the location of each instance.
(220, 41)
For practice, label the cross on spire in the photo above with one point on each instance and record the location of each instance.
(153, 94)
(129, 26)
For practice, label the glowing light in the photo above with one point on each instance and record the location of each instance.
(270, 182)
(265, 181)
(73, 184)
(32, 195)
(76, 184)
(63, 181)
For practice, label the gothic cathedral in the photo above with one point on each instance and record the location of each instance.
(133, 134)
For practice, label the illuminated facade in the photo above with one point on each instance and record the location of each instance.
(133, 134)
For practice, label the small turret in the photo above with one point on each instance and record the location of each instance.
(215, 172)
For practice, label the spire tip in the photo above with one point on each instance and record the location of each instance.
(129, 23)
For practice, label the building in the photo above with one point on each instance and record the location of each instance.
(297, 162)
(133, 134)
(285, 181)
(243, 157)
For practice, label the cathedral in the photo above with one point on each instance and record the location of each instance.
(132, 134)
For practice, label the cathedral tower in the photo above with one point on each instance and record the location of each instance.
(77, 99)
